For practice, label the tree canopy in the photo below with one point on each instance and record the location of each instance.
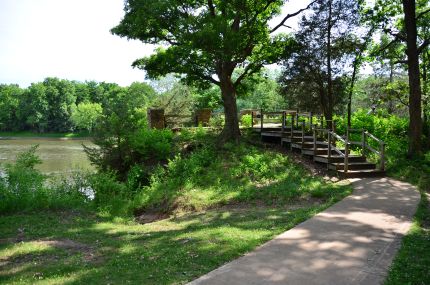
(206, 41)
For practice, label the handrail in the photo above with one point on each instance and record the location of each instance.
(365, 145)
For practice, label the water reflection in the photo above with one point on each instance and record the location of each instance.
(58, 156)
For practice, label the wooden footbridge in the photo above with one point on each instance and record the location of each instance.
(357, 153)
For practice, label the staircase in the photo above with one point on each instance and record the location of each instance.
(321, 143)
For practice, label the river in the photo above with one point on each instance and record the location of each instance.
(59, 156)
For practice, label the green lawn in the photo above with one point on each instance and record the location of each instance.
(412, 263)
(81, 248)
(222, 202)
(27, 134)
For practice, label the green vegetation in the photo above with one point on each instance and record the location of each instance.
(412, 263)
(80, 248)
(221, 203)
(24, 188)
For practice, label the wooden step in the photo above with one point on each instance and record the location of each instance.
(306, 145)
(277, 134)
(320, 151)
(361, 173)
(352, 165)
(338, 158)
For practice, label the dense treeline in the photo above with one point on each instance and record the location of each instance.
(58, 105)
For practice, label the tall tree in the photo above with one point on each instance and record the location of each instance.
(326, 45)
(387, 14)
(207, 41)
(415, 127)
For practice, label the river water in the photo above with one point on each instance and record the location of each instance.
(59, 156)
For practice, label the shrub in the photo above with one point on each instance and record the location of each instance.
(23, 187)
(246, 121)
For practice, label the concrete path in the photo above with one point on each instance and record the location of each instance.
(352, 242)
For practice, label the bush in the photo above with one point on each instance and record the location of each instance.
(391, 129)
(217, 121)
(246, 121)
(23, 187)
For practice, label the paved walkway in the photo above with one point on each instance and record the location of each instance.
(352, 242)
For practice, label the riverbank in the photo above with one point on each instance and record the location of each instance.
(33, 135)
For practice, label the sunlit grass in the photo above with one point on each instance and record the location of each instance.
(171, 251)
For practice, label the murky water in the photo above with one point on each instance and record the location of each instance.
(58, 156)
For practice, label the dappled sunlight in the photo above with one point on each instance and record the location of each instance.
(343, 244)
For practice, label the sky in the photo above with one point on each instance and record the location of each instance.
(71, 39)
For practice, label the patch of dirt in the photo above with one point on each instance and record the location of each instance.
(66, 244)
(146, 218)
(72, 247)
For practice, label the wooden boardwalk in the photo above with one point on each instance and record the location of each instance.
(316, 138)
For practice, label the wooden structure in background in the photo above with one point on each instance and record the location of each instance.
(310, 135)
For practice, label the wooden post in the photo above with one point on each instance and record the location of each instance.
(156, 119)
(346, 156)
(322, 121)
(284, 117)
(315, 141)
(261, 119)
(329, 146)
(297, 119)
(363, 142)
(303, 133)
(252, 119)
(310, 120)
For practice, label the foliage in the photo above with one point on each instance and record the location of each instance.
(172, 251)
(412, 263)
(261, 91)
(10, 96)
(206, 42)
(389, 128)
(23, 187)
(85, 115)
(382, 93)
(209, 177)
(246, 121)
(124, 114)
(326, 42)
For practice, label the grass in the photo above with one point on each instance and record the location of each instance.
(412, 263)
(219, 202)
(82, 248)
(28, 134)
(211, 177)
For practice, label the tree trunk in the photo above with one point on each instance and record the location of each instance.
(329, 115)
(425, 96)
(390, 105)
(231, 131)
(351, 89)
(415, 121)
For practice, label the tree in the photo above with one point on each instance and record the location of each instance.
(60, 95)
(206, 41)
(10, 95)
(124, 113)
(327, 43)
(85, 115)
(386, 14)
(33, 108)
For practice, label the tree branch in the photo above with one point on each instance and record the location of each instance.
(209, 78)
(422, 14)
(290, 16)
(250, 69)
(423, 45)
(388, 45)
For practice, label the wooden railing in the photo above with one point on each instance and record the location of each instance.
(331, 145)
(365, 145)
